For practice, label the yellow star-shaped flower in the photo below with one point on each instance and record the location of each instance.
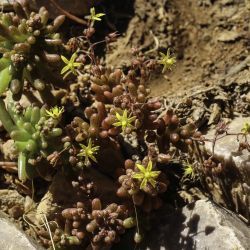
(189, 171)
(70, 66)
(246, 128)
(95, 16)
(88, 152)
(146, 175)
(167, 60)
(124, 121)
(55, 112)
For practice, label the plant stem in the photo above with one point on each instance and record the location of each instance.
(22, 174)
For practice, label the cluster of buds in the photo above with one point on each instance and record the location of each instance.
(84, 222)
(44, 236)
(142, 184)
(28, 45)
(211, 167)
(173, 137)
(106, 225)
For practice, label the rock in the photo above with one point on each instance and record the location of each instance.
(10, 199)
(235, 69)
(200, 225)
(227, 12)
(248, 97)
(8, 150)
(234, 183)
(226, 149)
(228, 36)
(13, 238)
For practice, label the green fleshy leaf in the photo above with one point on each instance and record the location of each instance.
(4, 63)
(35, 115)
(55, 132)
(5, 78)
(20, 135)
(5, 117)
(27, 114)
(20, 145)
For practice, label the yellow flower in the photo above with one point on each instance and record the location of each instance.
(70, 65)
(55, 112)
(189, 171)
(167, 60)
(93, 16)
(88, 152)
(246, 128)
(124, 121)
(146, 175)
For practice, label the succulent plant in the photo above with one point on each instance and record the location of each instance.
(28, 45)
(112, 115)
(33, 132)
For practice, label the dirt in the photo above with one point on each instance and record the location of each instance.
(210, 39)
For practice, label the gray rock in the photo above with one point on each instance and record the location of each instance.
(201, 225)
(231, 189)
(235, 69)
(13, 238)
(226, 149)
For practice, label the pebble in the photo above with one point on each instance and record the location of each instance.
(228, 36)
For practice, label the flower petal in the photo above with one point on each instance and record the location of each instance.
(92, 157)
(73, 58)
(138, 175)
(64, 69)
(83, 146)
(125, 114)
(149, 166)
(96, 18)
(65, 60)
(141, 168)
(77, 64)
(131, 119)
(117, 124)
(118, 116)
(168, 52)
(154, 174)
(96, 148)
(152, 182)
(100, 14)
(143, 183)
(162, 54)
